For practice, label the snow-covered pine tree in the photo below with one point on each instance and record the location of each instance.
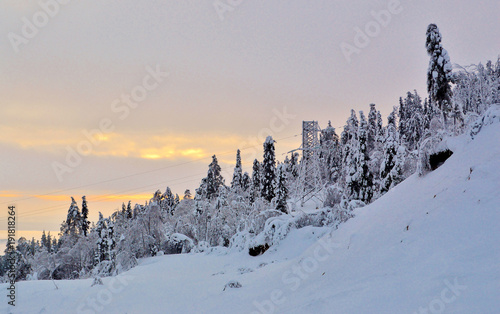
(329, 143)
(246, 182)
(201, 191)
(214, 179)
(124, 210)
(373, 128)
(111, 243)
(403, 118)
(236, 183)
(427, 114)
(412, 120)
(294, 164)
(129, 210)
(73, 219)
(282, 189)
(102, 248)
(85, 215)
(364, 176)
(269, 170)
(43, 241)
(349, 141)
(49, 243)
(187, 194)
(256, 181)
(168, 201)
(439, 73)
(391, 145)
(105, 245)
(397, 172)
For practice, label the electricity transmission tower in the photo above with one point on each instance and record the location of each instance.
(310, 184)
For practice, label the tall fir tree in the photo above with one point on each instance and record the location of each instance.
(85, 217)
(282, 189)
(129, 210)
(269, 170)
(329, 144)
(366, 177)
(246, 182)
(349, 142)
(44, 240)
(256, 181)
(236, 183)
(73, 219)
(373, 130)
(439, 73)
(391, 144)
(214, 179)
(413, 120)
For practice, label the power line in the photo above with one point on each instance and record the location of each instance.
(103, 197)
(132, 175)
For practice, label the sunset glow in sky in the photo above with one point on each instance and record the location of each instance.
(116, 99)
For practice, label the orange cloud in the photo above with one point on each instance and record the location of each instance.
(53, 197)
(9, 194)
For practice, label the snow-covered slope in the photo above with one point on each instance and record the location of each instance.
(430, 245)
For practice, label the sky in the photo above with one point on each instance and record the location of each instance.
(116, 99)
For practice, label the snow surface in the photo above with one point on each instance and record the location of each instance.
(430, 245)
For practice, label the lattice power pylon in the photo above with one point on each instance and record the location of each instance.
(310, 172)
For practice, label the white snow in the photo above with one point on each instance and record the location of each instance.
(430, 245)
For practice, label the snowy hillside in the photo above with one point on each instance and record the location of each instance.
(430, 245)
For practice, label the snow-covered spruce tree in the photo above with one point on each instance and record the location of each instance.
(256, 181)
(187, 194)
(397, 172)
(43, 241)
(236, 183)
(73, 220)
(214, 179)
(201, 191)
(129, 210)
(411, 117)
(282, 189)
(391, 144)
(348, 140)
(427, 114)
(364, 176)
(269, 170)
(439, 72)
(294, 165)
(374, 127)
(167, 201)
(85, 214)
(100, 228)
(246, 182)
(329, 143)
(350, 155)
(104, 254)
